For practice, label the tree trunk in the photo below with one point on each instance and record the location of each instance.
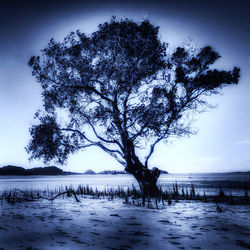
(147, 180)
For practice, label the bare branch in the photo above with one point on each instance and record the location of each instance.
(92, 143)
(77, 131)
(84, 87)
(103, 139)
(152, 147)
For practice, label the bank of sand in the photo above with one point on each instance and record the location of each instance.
(103, 224)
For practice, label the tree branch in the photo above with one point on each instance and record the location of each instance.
(103, 139)
(86, 87)
(111, 152)
(77, 131)
(152, 147)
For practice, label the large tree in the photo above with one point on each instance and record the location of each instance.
(120, 89)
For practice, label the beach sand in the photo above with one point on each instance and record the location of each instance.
(105, 224)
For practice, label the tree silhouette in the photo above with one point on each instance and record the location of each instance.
(119, 89)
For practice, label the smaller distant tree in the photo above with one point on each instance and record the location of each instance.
(118, 89)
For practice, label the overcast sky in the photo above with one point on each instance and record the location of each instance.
(223, 141)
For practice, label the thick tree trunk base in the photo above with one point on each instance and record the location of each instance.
(147, 179)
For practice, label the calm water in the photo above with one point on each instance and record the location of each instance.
(236, 182)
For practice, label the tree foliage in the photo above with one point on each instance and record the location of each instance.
(119, 88)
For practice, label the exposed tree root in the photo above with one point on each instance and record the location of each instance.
(66, 192)
(14, 197)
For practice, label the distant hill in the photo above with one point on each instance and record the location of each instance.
(122, 172)
(164, 172)
(45, 171)
(114, 172)
(14, 170)
(89, 172)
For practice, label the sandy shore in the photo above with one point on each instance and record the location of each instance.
(103, 224)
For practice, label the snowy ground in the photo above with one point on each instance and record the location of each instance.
(103, 224)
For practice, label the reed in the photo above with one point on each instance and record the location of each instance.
(131, 196)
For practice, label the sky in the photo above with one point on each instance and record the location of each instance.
(223, 141)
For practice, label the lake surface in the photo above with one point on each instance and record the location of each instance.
(210, 183)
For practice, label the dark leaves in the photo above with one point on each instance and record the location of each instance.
(214, 78)
(180, 55)
(206, 57)
(128, 51)
(119, 82)
(193, 72)
(48, 142)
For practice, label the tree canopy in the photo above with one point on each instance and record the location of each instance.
(119, 89)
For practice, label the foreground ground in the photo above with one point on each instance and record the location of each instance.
(103, 224)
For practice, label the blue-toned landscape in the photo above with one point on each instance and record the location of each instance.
(124, 124)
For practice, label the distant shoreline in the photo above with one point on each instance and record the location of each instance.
(53, 171)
